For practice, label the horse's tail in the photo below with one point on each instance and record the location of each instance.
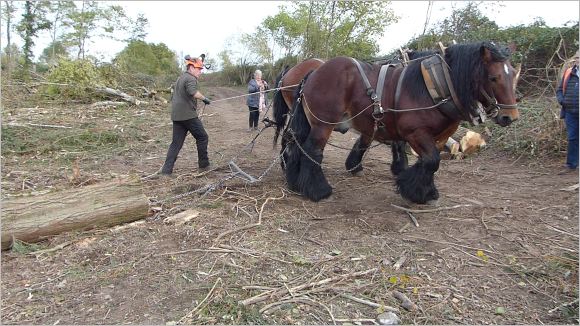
(279, 106)
(299, 124)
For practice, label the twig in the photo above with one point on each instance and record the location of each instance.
(449, 243)
(264, 296)
(201, 303)
(562, 306)
(356, 320)
(409, 210)
(216, 250)
(483, 221)
(404, 227)
(37, 125)
(561, 231)
(249, 226)
(401, 261)
(413, 219)
(55, 248)
(368, 303)
(405, 302)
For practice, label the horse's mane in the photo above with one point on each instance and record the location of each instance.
(279, 77)
(466, 70)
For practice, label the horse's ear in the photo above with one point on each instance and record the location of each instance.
(485, 54)
(517, 77)
(513, 47)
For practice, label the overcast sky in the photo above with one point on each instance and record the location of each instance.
(196, 27)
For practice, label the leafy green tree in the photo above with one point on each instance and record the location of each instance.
(59, 10)
(320, 29)
(91, 20)
(137, 28)
(33, 21)
(53, 52)
(147, 58)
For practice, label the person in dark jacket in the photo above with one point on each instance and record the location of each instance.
(185, 118)
(567, 95)
(257, 100)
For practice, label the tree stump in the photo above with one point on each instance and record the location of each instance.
(33, 218)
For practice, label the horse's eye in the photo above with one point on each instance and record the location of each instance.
(493, 79)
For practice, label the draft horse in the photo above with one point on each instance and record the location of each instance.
(284, 98)
(421, 103)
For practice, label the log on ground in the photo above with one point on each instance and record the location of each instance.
(34, 218)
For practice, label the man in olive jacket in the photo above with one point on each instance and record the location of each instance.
(185, 118)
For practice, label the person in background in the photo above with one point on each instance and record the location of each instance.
(185, 117)
(257, 100)
(567, 95)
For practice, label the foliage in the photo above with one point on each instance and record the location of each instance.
(33, 21)
(52, 53)
(155, 60)
(72, 79)
(90, 20)
(329, 29)
(537, 133)
(541, 49)
(138, 28)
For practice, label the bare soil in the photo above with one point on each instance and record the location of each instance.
(501, 247)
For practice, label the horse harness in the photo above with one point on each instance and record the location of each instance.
(437, 79)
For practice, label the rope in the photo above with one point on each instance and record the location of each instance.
(244, 95)
(370, 105)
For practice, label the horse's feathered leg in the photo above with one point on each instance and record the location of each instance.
(311, 180)
(353, 162)
(400, 161)
(416, 183)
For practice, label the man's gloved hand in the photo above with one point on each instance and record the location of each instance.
(206, 101)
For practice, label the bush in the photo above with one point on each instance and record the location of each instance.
(73, 79)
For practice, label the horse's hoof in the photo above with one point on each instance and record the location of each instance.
(433, 202)
(359, 173)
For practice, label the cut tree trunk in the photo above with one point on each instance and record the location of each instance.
(33, 218)
(469, 141)
(453, 146)
(121, 95)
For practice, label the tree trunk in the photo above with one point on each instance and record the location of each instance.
(123, 96)
(33, 218)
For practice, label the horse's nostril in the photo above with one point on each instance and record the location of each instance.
(505, 120)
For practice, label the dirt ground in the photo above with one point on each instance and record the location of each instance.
(501, 247)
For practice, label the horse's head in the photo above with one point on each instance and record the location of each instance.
(497, 92)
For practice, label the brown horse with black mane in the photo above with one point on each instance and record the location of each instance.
(421, 103)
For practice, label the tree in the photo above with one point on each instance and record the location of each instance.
(92, 20)
(53, 52)
(33, 21)
(60, 10)
(327, 29)
(8, 15)
(138, 28)
(140, 57)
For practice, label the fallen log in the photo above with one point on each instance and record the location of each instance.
(469, 141)
(33, 218)
(453, 146)
(117, 93)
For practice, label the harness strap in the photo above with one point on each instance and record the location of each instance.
(399, 86)
(370, 90)
(381, 81)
